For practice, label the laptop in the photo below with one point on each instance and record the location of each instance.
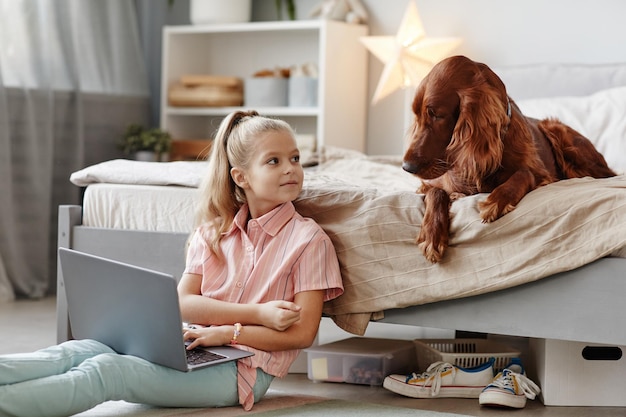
(133, 310)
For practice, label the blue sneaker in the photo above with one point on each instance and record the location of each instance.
(443, 380)
(510, 388)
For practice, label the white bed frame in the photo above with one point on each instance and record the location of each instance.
(580, 305)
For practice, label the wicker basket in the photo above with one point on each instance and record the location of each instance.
(464, 353)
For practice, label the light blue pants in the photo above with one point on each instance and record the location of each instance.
(79, 374)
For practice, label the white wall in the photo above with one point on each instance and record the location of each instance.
(497, 32)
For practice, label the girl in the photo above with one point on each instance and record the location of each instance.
(256, 276)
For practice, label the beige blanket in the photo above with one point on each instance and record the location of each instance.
(373, 217)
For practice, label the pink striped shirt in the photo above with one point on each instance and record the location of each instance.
(272, 257)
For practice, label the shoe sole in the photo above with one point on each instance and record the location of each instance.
(416, 391)
(502, 399)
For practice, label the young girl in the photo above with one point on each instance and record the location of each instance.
(256, 277)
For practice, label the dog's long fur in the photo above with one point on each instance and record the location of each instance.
(469, 137)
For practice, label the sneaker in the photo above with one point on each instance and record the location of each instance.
(509, 388)
(443, 380)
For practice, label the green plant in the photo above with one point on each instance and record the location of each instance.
(291, 9)
(137, 138)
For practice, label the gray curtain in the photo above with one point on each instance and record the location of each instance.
(72, 78)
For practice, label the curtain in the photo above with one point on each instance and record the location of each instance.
(72, 76)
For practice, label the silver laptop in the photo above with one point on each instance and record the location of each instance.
(133, 310)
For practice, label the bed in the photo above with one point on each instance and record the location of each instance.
(554, 268)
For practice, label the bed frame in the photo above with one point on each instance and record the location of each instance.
(584, 304)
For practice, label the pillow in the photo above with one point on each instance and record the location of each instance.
(600, 117)
(560, 79)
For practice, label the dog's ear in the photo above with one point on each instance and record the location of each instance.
(477, 142)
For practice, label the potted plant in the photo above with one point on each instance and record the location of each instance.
(291, 9)
(145, 144)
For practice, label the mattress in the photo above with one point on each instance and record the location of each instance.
(139, 207)
(135, 195)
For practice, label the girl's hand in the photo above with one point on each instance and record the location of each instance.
(206, 336)
(279, 314)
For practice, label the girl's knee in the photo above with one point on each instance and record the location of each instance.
(85, 347)
(108, 361)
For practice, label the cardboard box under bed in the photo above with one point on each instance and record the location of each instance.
(579, 374)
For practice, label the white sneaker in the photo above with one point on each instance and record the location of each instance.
(509, 388)
(443, 380)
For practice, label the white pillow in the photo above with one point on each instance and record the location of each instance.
(601, 117)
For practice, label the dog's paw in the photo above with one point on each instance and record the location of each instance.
(491, 211)
(432, 254)
(456, 196)
(433, 251)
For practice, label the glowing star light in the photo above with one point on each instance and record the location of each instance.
(408, 56)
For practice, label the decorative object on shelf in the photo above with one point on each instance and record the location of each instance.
(408, 56)
(289, 5)
(206, 91)
(219, 11)
(145, 144)
(351, 11)
(303, 82)
(267, 88)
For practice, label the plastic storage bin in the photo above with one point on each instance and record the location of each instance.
(360, 360)
(465, 353)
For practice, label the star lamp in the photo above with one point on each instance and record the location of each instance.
(409, 55)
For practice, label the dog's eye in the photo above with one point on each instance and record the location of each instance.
(431, 113)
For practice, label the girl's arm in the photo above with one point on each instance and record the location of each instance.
(195, 308)
(300, 335)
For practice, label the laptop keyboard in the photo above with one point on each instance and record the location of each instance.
(199, 356)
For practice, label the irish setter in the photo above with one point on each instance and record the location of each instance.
(469, 137)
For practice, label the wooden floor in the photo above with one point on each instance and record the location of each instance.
(29, 325)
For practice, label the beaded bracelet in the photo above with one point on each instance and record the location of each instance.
(236, 333)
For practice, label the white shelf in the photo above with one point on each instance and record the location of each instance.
(223, 111)
(241, 49)
(282, 26)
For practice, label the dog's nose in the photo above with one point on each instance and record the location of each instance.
(409, 167)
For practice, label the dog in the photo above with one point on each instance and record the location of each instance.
(469, 137)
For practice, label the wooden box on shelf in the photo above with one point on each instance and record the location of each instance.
(190, 149)
(206, 91)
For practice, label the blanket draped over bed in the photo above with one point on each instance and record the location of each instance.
(369, 208)
(555, 228)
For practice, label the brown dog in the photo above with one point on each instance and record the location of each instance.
(469, 137)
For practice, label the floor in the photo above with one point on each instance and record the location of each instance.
(29, 325)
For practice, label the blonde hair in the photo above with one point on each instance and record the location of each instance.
(233, 146)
